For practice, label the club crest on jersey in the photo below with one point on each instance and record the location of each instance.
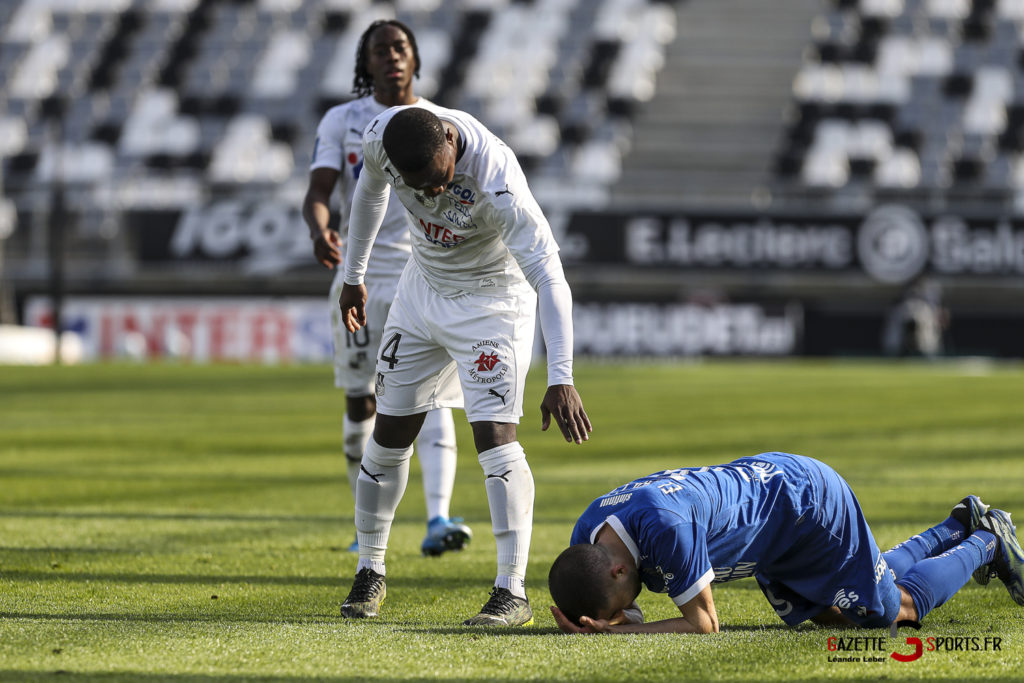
(656, 579)
(428, 202)
(488, 367)
(356, 162)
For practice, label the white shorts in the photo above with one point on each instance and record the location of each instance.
(355, 354)
(433, 344)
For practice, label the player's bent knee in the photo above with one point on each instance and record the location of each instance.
(397, 431)
(379, 456)
(359, 408)
(500, 459)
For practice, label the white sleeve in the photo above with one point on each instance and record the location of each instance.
(369, 204)
(554, 301)
(327, 151)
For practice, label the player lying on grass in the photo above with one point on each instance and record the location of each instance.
(789, 521)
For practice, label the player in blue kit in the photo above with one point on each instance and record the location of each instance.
(790, 522)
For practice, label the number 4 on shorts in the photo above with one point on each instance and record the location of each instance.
(389, 352)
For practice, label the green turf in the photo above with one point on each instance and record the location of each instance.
(189, 523)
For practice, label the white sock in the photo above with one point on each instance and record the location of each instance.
(355, 435)
(514, 584)
(436, 449)
(377, 566)
(382, 479)
(510, 489)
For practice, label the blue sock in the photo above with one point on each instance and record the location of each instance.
(929, 543)
(932, 581)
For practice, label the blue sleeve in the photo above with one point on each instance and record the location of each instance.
(580, 533)
(678, 547)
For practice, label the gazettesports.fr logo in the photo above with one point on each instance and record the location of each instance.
(865, 649)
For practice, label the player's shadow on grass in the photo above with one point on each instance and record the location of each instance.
(546, 631)
(104, 617)
(341, 581)
(139, 677)
(184, 516)
(492, 631)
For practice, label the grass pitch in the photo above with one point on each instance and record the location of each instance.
(183, 523)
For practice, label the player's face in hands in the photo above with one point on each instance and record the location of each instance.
(389, 57)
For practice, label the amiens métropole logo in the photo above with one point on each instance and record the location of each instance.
(878, 649)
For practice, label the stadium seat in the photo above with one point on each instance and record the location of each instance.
(166, 93)
(950, 75)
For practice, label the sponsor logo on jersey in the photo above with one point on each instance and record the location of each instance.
(440, 235)
(463, 195)
(845, 598)
(763, 471)
(880, 568)
(782, 607)
(458, 214)
(741, 571)
(615, 500)
(380, 384)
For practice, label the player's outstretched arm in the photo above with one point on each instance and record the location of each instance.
(699, 616)
(563, 402)
(353, 306)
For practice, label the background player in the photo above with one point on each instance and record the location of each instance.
(791, 522)
(483, 256)
(387, 59)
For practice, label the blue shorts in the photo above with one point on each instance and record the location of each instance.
(835, 561)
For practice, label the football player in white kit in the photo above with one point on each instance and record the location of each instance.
(483, 257)
(387, 60)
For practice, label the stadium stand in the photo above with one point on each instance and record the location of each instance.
(916, 100)
(162, 102)
(709, 134)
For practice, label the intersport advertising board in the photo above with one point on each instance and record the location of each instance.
(286, 330)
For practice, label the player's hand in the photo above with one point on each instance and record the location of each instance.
(596, 625)
(588, 625)
(353, 306)
(327, 248)
(565, 625)
(564, 404)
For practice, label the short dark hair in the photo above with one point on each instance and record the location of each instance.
(580, 581)
(412, 139)
(362, 84)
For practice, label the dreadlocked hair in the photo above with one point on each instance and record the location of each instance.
(362, 84)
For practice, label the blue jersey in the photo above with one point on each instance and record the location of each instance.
(775, 516)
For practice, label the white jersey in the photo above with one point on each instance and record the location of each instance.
(484, 235)
(485, 229)
(339, 145)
